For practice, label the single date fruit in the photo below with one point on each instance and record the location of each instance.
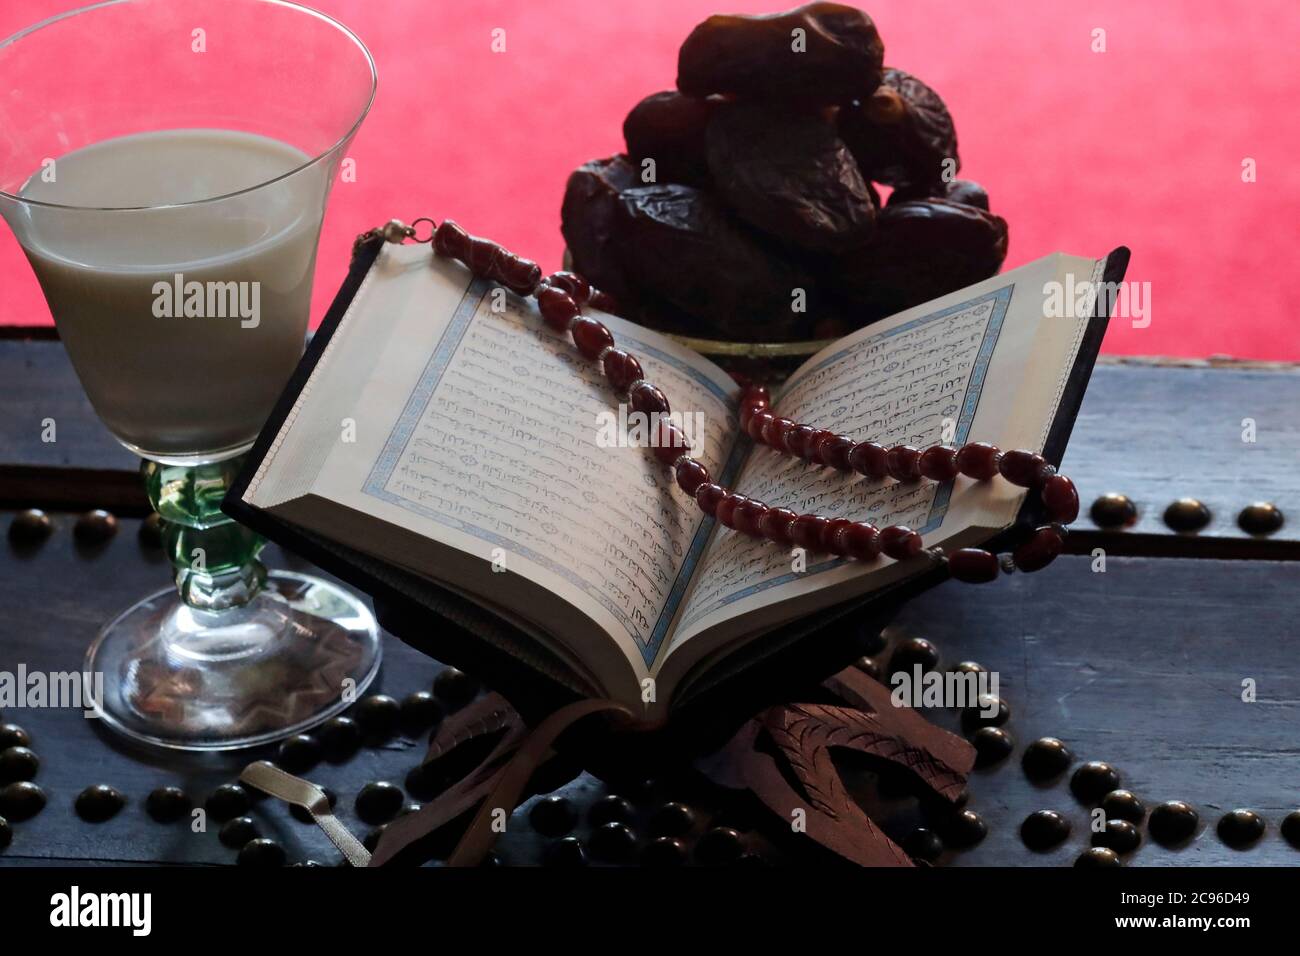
(787, 173)
(680, 244)
(669, 128)
(922, 249)
(902, 134)
(820, 52)
(587, 220)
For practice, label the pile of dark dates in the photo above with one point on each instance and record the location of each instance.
(746, 207)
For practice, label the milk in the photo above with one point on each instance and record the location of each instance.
(183, 322)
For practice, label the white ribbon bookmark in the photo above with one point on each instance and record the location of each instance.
(269, 778)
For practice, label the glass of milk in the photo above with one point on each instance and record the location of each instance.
(165, 166)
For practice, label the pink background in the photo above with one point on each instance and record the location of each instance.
(1141, 145)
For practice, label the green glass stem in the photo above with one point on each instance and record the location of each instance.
(215, 557)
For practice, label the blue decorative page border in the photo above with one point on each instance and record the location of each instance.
(418, 402)
(1001, 299)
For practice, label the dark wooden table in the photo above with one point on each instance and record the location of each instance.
(1141, 665)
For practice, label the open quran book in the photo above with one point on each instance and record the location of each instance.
(439, 443)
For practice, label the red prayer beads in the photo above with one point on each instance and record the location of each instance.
(560, 298)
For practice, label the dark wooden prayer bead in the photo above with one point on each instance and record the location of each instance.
(862, 541)
(690, 475)
(726, 512)
(235, 833)
(963, 829)
(1187, 515)
(869, 666)
(379, 716)
(748, 516)
(775, 525)
(1172, 822)
(151, 530)
(833, 536)
(557, 307)
(450, 240)
(797, 439)
(1060, 498)
(21, 800)
(977, 715)
(1093, 780)
(973, 565)
(900, 542)
(1098, 856)
(568, 852)
(612, 842)
(261, 852)
(30, 527)
(11, 735)
(672, 820)
(670, 443)
(1290, 828)
(1240, 829)
(379, 801)
(904, 463)
(1260, 518)
(591, 336)
(870, 458)
(813, 450)
(299, 754)
(552, 816)
(611, 808)
(1113, 511)
(420, 711)
(1044, 829)
(939, 463)
(1046, 758)
(663, 852)
(647, 398)
(572, 283)
(1039, 550)
(978, 460)
(807, 531)
(339, 737)
(911, 652)
(1118, 835)
(718, 846)
(168, 804)
(228, 801)
(622, 369)
(758, 424)
(98, 803)
(835, 452)
(95, 527)
(1023, 468)
(776, 431)
(1123, 805)
(603, 302)
(454, 687)
(708, 496)
(923, 844)
(18, 763)
(992, 745)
